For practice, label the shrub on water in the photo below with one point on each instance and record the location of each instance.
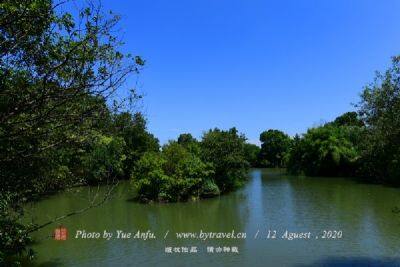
(175, 174)
(209, 189)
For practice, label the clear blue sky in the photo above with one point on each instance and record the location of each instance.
(255, 65)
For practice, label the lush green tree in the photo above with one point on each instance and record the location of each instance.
(175, 174)
(190, 143)
(326, 151)
(57, 72)
(180, 172)
(186, 138)
(14, 239)
(252, 152)
(380, 109)
(188, 171)
(226, 151)
(104, 159)
(349, 119)
(133, 130)
(149, 178)
(274, 148)
(295, 158)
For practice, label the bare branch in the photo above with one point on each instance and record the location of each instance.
(92, 205)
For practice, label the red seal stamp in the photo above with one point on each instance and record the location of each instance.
(60, 233)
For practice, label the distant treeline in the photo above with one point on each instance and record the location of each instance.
(364, 143)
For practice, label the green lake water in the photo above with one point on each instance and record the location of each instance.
(270, 200)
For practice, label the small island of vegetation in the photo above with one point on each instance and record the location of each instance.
(187, 169)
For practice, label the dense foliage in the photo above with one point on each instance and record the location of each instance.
(325, 151)
(190, 143)
(363, 144)
(57, 75)
(348, 119)
(132, 129)
(226, 151)
(14, 238)
(190, 169)
(275, 146)
(252, 153)
(380, 110)
(175, 174)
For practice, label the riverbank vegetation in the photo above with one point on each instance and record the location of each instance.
(328, 150)
(59, 123)
(364, 143)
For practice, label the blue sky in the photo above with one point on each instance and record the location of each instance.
(253, 64)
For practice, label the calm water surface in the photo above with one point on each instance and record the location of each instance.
(270, 200)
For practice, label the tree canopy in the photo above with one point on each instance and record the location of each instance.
(275, 145)
(380, 110)
(226, 151)
(187, 168)
(58, 75)
(325, 151)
